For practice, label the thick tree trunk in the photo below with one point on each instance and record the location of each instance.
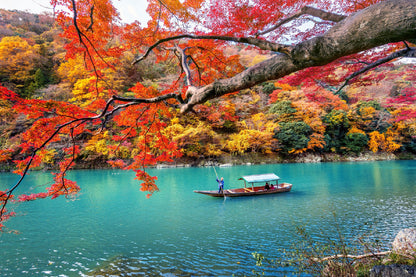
(386, 22)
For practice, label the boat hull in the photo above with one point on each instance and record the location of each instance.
(283, 187)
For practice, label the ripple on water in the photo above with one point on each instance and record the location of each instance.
(113, 228)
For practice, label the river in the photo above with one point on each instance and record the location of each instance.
(112, 227)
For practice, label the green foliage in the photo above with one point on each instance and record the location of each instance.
(366, 104)
(282, 108)
(410, 146)
(293, 136)
(337, 122)
(268, 87)
(337, 126)
(355, 142)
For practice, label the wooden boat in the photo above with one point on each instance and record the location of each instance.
(253, 188)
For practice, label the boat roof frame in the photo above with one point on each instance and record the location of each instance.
(259, 178)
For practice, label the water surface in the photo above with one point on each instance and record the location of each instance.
(176, 232)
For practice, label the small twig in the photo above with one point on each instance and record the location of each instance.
(408, 52)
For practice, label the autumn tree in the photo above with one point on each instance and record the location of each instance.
(196, 34)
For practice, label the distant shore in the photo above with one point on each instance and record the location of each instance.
(256, 158)
(245, 159)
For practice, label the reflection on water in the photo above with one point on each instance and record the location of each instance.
(112, 229)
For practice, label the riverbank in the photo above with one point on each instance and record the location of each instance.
(256, 158)
(245, 159)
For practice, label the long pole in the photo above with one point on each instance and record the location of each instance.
(215, 172)
(219, 180)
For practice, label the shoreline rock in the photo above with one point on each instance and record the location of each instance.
(405, 242)
(255, 158)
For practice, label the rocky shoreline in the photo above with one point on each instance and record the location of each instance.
(246, 159)
(255, 158)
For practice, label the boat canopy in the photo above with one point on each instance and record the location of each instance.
(261, 178)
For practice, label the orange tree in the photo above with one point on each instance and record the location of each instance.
(310, 38)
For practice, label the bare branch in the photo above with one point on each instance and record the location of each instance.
(307, 10)
(260, 43)
(184, 65)
(149, 100)
(91, 19)
(354, 257)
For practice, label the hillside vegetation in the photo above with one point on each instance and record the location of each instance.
(283, 120)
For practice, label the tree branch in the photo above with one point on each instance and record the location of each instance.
(184, 65)
(358, 32)
(407, 52)
(355, 257)
(307, 10)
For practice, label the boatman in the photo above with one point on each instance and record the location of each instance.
(220, 185)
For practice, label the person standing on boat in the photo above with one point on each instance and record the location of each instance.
(220, 185)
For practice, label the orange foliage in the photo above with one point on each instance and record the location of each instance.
(385, 142)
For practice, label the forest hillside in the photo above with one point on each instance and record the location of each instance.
(286, 120)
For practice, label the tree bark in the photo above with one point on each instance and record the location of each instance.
(385, 22)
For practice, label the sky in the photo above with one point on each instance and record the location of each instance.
(130, 10)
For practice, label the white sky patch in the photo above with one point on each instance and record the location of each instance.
(32, 6)
(130, 10)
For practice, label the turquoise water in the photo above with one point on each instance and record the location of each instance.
(179, 233)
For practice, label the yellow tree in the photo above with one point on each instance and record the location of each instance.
(197, 139)
(256, 135)
(17, 62)
(383, 141)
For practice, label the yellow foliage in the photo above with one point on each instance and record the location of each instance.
(194, 140)
(354, 130)
(406, 128)
(391, 145)
(6, 110)
(98, 144)
(383, 142)
(17, 58)
(338, 118)
(212, 150)
(86, 86)
(255, 97)
(72, 70)
(375, 140)
(367, 112)
(255, 140)
(83, 92)
(239, 143)
(47, 155)
(260, 122)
